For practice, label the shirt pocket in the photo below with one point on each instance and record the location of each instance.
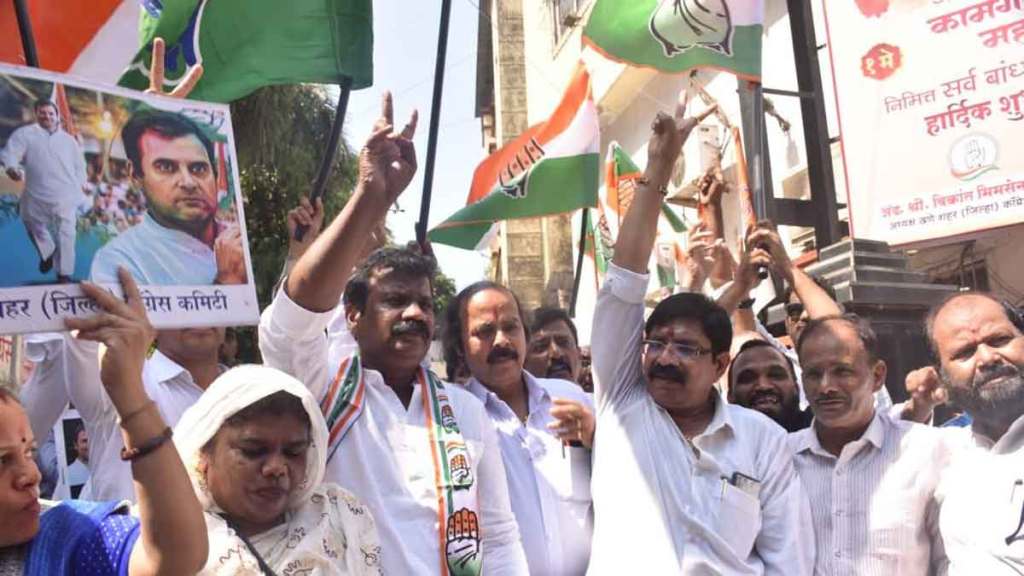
(739, 519)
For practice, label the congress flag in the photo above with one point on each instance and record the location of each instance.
(246, 44)
(675, 36)
(553, 167)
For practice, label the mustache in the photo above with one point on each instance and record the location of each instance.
(670, 372)
(987, 375)
(503, 353)
(406, 327)
(558, 366)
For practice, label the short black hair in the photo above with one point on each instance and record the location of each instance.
(758, 343)
(405, 261)
(820, 281)
(167, 125)
(1012, 314)
(451, 330)
(861, 326)
(41, 102)
(713, 319)
(546, 315)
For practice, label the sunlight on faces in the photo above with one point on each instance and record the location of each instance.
(494, 338)
(839, 379)
(397, 323)
(19, 477)
(254, 467)
(178, 179)
(760, 380)
(693, 378)
(981, 356)
(552, 352)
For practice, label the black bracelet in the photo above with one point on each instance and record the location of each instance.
(745, 304)
(147, 447)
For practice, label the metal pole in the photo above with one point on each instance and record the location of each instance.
(28, 42)
(584, 228)
(435, 118)
(327, 163)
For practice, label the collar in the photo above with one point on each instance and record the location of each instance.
(535, 393)
(721, 418)
(1012, 440)
(807, 439)
(160, 368)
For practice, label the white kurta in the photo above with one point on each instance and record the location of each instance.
(156, 255)
(384, 460)
(54, 168)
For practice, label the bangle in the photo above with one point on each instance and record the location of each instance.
(147, 447)
(145, 406)
(645, 181)
(748, 303)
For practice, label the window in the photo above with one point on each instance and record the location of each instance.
(565, 15)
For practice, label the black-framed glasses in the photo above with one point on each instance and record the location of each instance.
(794, 310)
(684, 351)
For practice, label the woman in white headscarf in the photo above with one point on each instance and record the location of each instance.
(254, 447)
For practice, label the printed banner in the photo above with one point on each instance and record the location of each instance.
(931, 102)
(95, 178)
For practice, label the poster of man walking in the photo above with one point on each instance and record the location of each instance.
(94, 179)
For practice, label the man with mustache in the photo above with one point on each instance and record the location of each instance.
(545, 427)
(683, 481)
(978, 345)
(871, 479)
(762, 378)
(179, 241)
(421, 453)
(553, 350)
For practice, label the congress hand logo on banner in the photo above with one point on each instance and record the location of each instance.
(684, 24)
(972, 156)
(463, 546)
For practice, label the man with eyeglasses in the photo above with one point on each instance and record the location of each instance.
(683, 483)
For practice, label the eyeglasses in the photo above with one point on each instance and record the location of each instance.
(684, 351)
(794, 310)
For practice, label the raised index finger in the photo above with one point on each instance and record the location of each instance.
(387, 108)
(682, 104)
(156, 66)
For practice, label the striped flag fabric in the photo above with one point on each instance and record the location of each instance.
(675, 36)
(552, 168)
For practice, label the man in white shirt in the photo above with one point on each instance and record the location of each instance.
(184, 364)
(545, 426)
(179, 241)
(55, 183)
(978, 343)
(389, 417)
(683, 483)
(78, 469)
(871, 480)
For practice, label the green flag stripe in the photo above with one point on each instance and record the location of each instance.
(672, 218)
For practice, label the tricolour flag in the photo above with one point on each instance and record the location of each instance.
(675, 36)
(551, 168)
(246, 44)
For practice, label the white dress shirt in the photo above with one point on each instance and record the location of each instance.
(166, 383)
(54, 164)
(874, 507)
(982, 493)
(549, 485)
(156, 255)
(384, 460)
(665, 505)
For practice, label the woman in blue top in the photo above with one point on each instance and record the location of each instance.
(79, 538)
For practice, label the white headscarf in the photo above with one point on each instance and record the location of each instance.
(229, 394)
(326, 531)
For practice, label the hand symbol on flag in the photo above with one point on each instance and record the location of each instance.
(463, 548)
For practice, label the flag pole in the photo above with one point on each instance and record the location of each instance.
(327, 163)
(435, 118)
(28, 41)
(584, 228)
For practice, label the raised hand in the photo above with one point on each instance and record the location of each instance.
(463, 543)
(926, 392)
(573, 421)
(309, 215)
(667, 138)
(124, 329)
(387, 163)
(156, 74)
(230, 256)
(763, 235)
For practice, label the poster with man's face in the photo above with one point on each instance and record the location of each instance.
(96, 178)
